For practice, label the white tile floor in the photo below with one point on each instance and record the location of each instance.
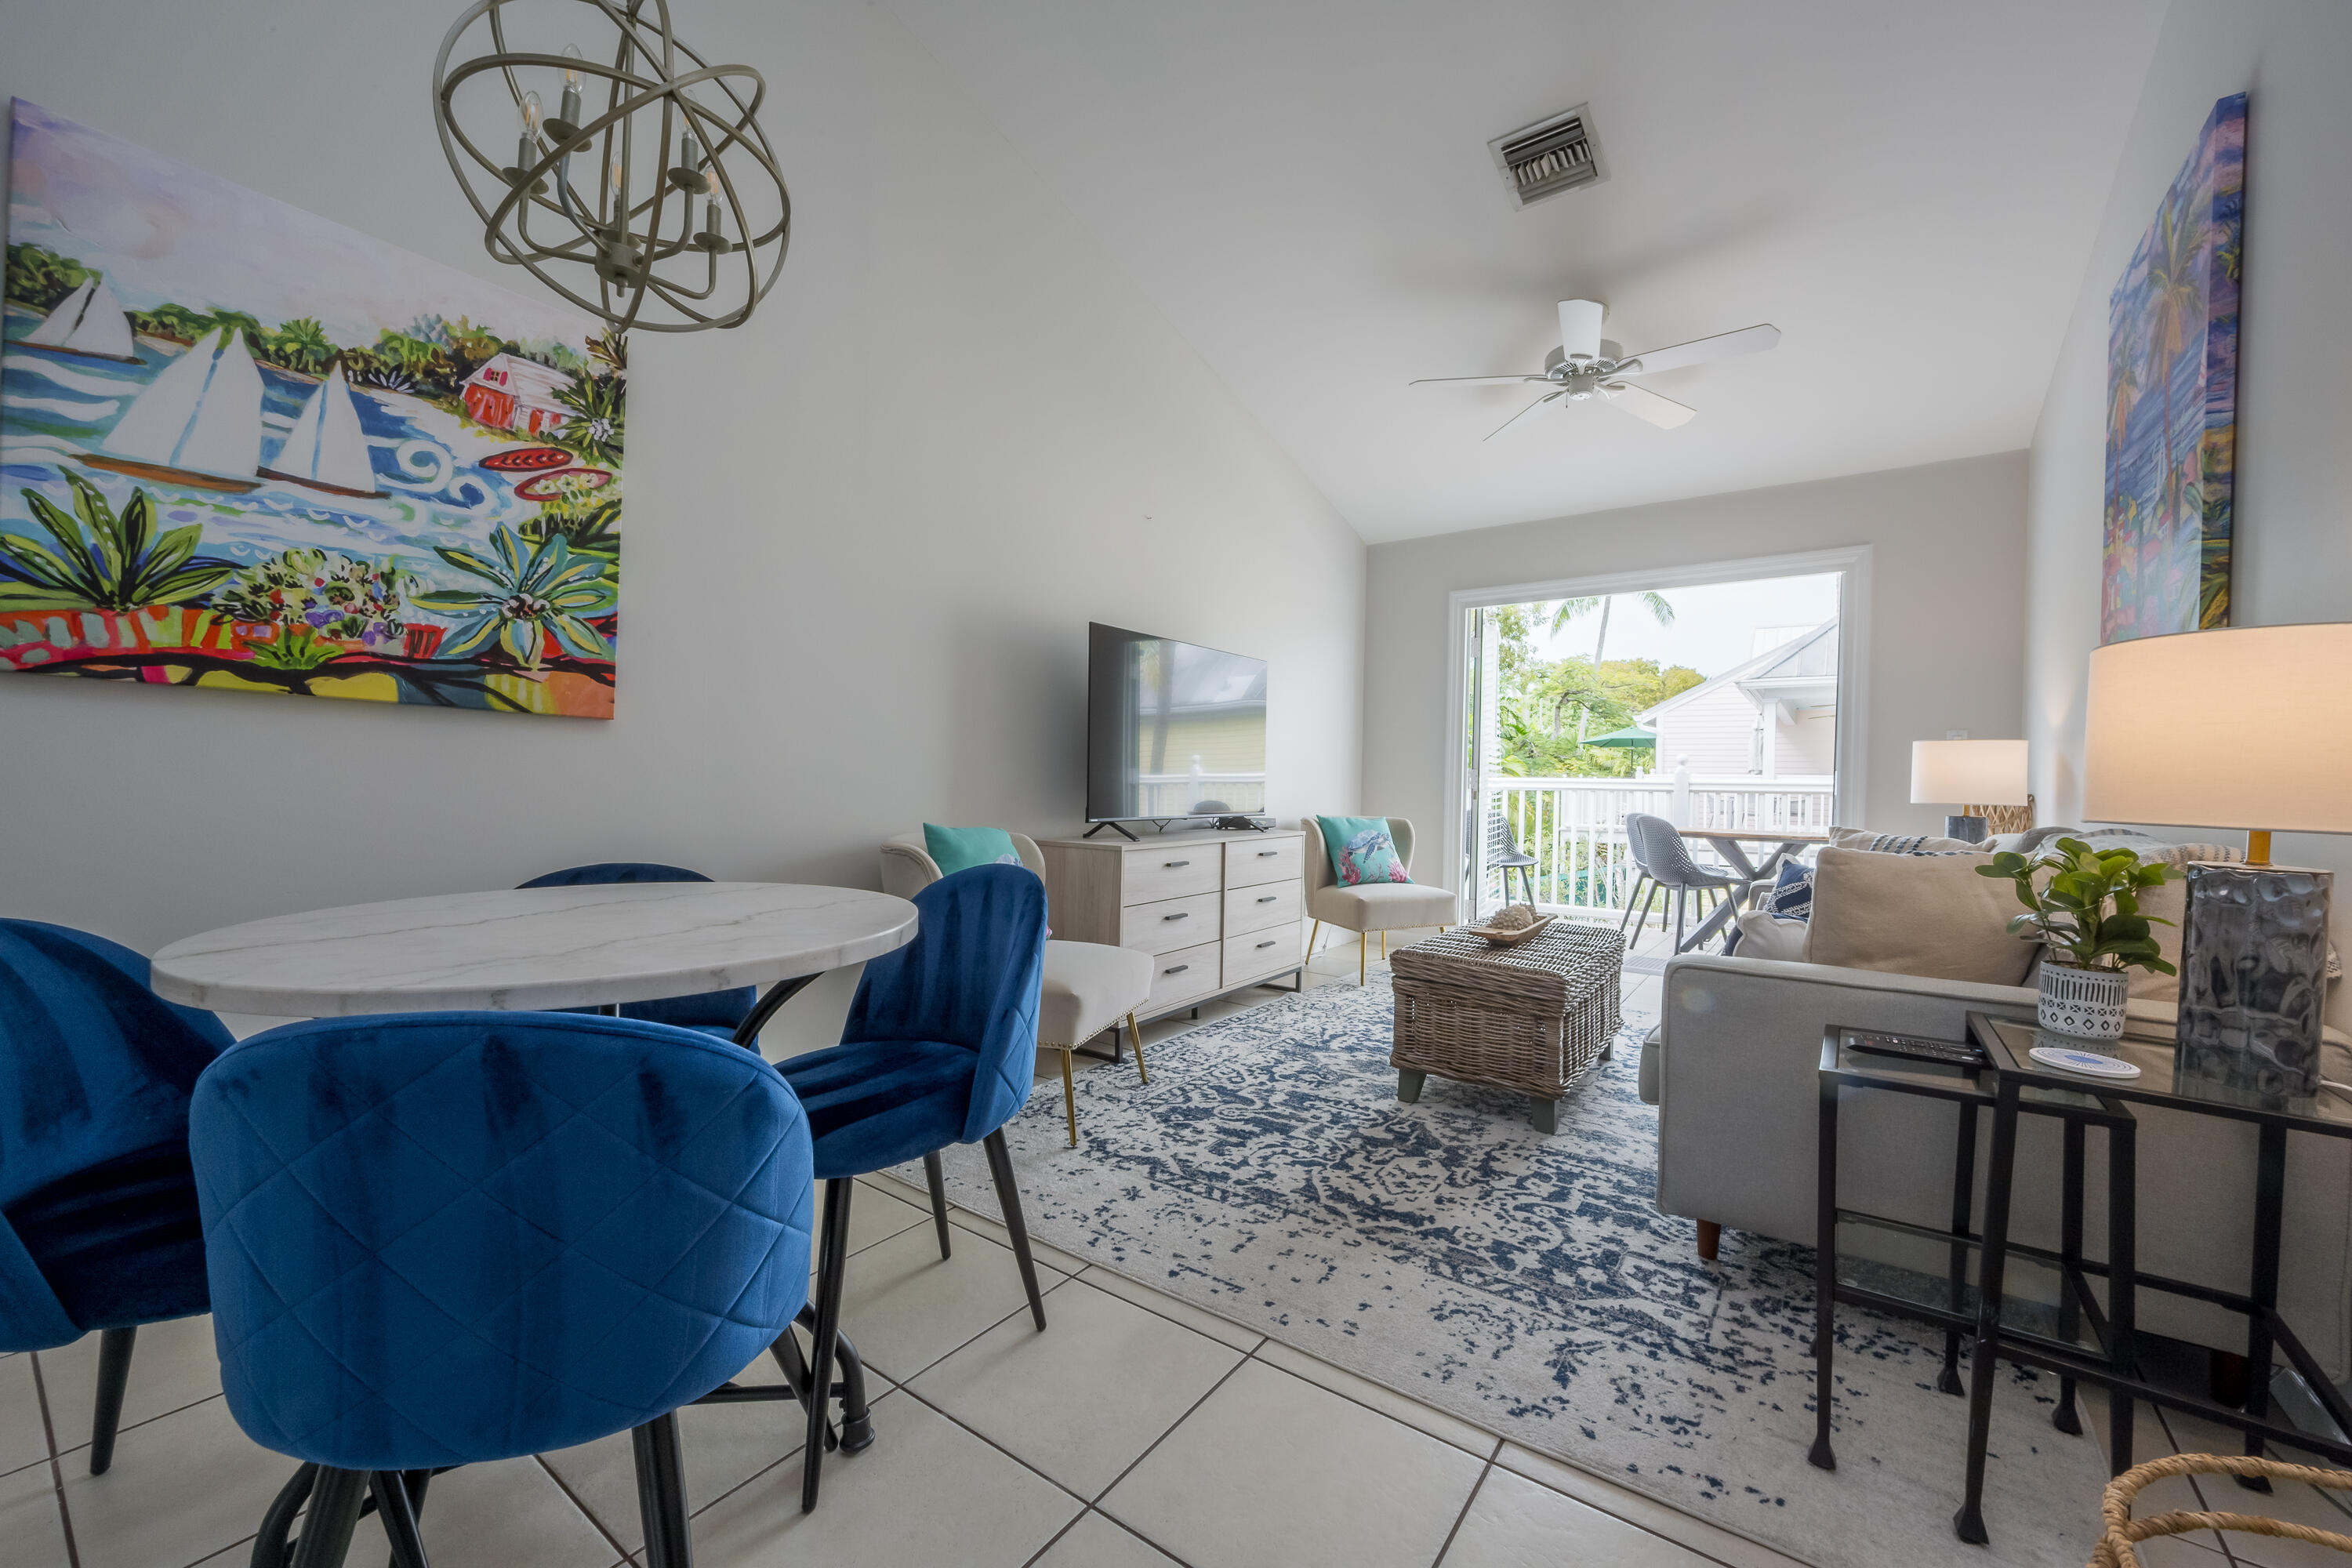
(2156, 1433)
(1138, 1430)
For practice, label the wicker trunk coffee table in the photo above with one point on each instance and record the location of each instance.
(1531, 1018)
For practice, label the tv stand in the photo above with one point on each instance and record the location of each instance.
(1115, 828)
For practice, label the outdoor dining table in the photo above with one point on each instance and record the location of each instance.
(533, 949)
(1728, 842)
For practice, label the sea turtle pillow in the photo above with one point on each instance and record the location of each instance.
(1361, 850)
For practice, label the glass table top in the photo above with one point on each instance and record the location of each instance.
(2148, 1047)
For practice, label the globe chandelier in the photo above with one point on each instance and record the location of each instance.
(650, 197)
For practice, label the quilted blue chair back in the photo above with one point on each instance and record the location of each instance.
(439, 1238)
(95, 1074)
(704, 1009)
(970, 978)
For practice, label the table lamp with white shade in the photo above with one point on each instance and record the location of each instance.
(2247, 727)
(1970, 774)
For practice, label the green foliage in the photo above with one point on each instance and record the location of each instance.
(41, 278)
(297, 647)
(594, 428)
(590, 526)
(530, 599)
(1543, 704)
(174, 322)
(300, 345)
(2070, 910)
(322, 592)
(119, 563)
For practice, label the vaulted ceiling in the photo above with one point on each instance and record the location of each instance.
(1908, 190)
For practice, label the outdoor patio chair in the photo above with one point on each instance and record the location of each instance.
(1667, 866)
(1504, 854)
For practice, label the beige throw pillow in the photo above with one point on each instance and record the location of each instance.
(1928, 915)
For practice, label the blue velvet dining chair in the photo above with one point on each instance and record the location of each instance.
(97, 1207)
(940, 1048)
(713, 1012)
(442, 1238)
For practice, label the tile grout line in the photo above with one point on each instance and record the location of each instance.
(134, 1426)
(623, 1553)
(57, 1470)
(1189, 1411)
(1434, 1410)
(1475, 1487)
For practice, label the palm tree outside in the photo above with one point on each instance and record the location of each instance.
(1569, 609)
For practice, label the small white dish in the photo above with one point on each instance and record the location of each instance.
(2065, 1058)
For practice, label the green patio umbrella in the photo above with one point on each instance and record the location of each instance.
(1633, 736)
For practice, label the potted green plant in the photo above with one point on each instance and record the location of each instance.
(2082, 905)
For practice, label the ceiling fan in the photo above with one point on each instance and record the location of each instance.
(1588, 365)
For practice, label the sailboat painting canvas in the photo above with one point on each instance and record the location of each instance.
(245, 448)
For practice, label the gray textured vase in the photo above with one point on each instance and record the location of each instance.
(2254, 977)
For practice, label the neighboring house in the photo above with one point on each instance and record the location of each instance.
(510, 393)
(1774, 715)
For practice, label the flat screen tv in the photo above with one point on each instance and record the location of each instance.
(1173, 730)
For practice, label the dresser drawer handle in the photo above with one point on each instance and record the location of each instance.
(1180, 915)
(1269, 898)
(1178, 970)
(1267, 854)
(1171, 864)
(1269, 942)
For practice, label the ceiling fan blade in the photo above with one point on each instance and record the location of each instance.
(1698, 351)
(1642, 403)
(1579, 328)
(1523, 413)
(1475, 380)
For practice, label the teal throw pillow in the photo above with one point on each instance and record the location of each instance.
(1361, 849)
(961, 848)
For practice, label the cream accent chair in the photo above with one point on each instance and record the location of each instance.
(1088, 988)
(1369, 907)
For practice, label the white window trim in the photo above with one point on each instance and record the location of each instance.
(1854, 655)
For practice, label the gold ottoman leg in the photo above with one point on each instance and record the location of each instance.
(1364, 946)
(1135, 1032)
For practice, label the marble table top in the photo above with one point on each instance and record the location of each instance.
(531, 948)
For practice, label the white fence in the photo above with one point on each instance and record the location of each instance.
(1575, 828)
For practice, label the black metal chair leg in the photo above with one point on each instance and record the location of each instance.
(833, 1264)
(661, 1493)
(395, 1505)
(115, 1346)
(326, 1524)
(1000, 1168)
(271, 1547)
(937, 1179)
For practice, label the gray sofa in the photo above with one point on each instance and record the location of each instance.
(1732, 1069)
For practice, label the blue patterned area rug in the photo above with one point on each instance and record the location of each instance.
(1525, 1283)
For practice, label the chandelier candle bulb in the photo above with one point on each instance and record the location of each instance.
(621, 91)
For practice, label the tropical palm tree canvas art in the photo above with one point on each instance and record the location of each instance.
(244, 448)
(2172, 399)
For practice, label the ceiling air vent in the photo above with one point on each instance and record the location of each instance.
(1550, 156)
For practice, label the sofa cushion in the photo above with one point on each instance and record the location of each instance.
(1900, 842)
(1928, 915)
(1763, 934)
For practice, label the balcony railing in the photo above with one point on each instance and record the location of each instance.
(1575, 828)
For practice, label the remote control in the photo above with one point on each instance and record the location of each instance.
(1952, 1053)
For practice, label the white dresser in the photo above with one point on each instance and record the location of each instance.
(1216, 910)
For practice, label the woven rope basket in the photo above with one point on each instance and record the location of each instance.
(2123, 1532)
(1530, 1019)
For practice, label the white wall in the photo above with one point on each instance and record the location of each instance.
(2292, 552)
(865, 533)
(1946, 646)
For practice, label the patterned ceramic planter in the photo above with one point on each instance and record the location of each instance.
(2086, 1003)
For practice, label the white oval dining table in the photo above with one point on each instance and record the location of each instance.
(530, 949)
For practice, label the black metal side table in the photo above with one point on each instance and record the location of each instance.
(2007, 1044)
(1962, 1073)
